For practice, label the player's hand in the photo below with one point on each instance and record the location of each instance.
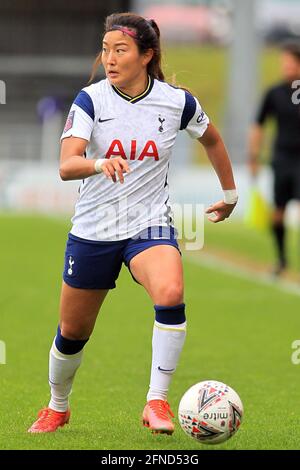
(115, 166)
(221, 210)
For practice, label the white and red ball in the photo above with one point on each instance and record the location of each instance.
(210, 412)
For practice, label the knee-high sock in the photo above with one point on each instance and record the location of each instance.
(167, 342)
(64, 359)
(62, 369)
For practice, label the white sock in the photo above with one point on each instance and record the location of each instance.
(167, 343)
(62, 369)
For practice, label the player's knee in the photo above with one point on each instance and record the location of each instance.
(171, 295)
(278, 216)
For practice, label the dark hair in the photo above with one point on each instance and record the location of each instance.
(292, 47)
(147, 36)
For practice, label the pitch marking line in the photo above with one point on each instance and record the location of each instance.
(213, 262)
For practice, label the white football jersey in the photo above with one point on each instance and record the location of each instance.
(142, 130)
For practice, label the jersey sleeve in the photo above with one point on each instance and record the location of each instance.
(80, 120)
(193, 119)
(266, 108)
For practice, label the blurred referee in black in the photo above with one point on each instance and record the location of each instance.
(278, 104)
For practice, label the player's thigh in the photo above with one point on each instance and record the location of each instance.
(78, 310)
(159, 269)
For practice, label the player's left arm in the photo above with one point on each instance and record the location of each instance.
(218, 156)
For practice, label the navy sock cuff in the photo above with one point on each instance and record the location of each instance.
(174, 315)
(68, 346)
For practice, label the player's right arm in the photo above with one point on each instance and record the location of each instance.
(74, 166)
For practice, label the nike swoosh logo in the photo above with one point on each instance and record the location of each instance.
(165, 370)
(104, 120)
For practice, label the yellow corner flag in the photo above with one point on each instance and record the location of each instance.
(258, 211)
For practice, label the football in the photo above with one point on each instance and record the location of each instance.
(210, 412)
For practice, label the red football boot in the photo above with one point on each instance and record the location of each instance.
(156, 417)
(49, 420)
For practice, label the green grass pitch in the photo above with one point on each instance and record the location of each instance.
(239, 332)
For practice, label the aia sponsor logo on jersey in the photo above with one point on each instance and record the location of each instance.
(116, 149)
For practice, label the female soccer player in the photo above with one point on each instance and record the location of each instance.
(118, 138)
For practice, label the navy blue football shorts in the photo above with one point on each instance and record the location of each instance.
(97, 264)
(286, 181)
